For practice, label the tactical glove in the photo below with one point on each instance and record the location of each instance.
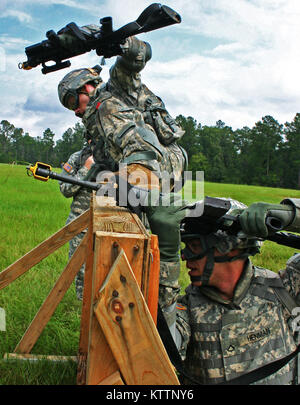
(261, 219)
(164, 214)
(135, 55)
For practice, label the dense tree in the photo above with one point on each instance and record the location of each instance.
(290, 154)
(267, 154)
(190, 140)
(72, 140)
(258, 153)
(6, 132)
(48, 144)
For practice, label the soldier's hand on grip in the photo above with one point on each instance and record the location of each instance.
(261, 219)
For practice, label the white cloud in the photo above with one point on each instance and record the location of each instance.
(251, 70)
(12, 43)
(31, 99)
(19, 15)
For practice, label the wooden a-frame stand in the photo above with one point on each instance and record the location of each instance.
(119, 343)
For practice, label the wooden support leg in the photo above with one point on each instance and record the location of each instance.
(44, 249)
(55, 296)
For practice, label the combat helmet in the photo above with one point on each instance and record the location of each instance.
(76, 79)
(217, 232)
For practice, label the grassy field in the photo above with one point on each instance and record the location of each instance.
(31, 211)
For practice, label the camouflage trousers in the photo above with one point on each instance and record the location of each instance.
(169, 289)
(79, 279)
(73, 245)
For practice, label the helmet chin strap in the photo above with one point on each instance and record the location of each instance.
(208, 251)
(208, 269)
(210, 262)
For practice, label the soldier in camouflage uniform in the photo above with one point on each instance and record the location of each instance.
(128, 122)
(234, 317)
(85, 82)
(134, 122)
(77, 166)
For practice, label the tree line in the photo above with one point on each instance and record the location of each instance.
(268, 154)
(19, 147)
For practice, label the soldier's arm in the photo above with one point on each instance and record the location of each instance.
(253, 219)
(294, 226)
(129, 138)
(70, 168)
(291, 276)
(155, 114)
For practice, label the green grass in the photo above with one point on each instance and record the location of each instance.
(30, 212)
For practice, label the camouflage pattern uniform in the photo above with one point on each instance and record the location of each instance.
(222, 340)
(127, 123)
(124, 118)
(81, 202)
(131, 123)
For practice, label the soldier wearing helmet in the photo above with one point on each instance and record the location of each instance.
(80, 81)
(234, 317)
(125, 119)
(74, 93)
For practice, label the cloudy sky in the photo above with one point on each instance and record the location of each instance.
(231, 60)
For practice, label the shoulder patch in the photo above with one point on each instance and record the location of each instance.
(67, 167)
(180, 307)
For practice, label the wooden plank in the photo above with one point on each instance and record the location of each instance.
(38, 357)
(113, 228)
(119, 220)
(153, 279)
(43, 250)
(114, 379)
(130, 331)
(86, 312)
(107, 246)
(88, 326)
(53, 299)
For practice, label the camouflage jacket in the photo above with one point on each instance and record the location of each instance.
(222, 340)
(81, 196)
(131, 123)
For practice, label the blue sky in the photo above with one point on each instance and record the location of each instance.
(231, 60)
